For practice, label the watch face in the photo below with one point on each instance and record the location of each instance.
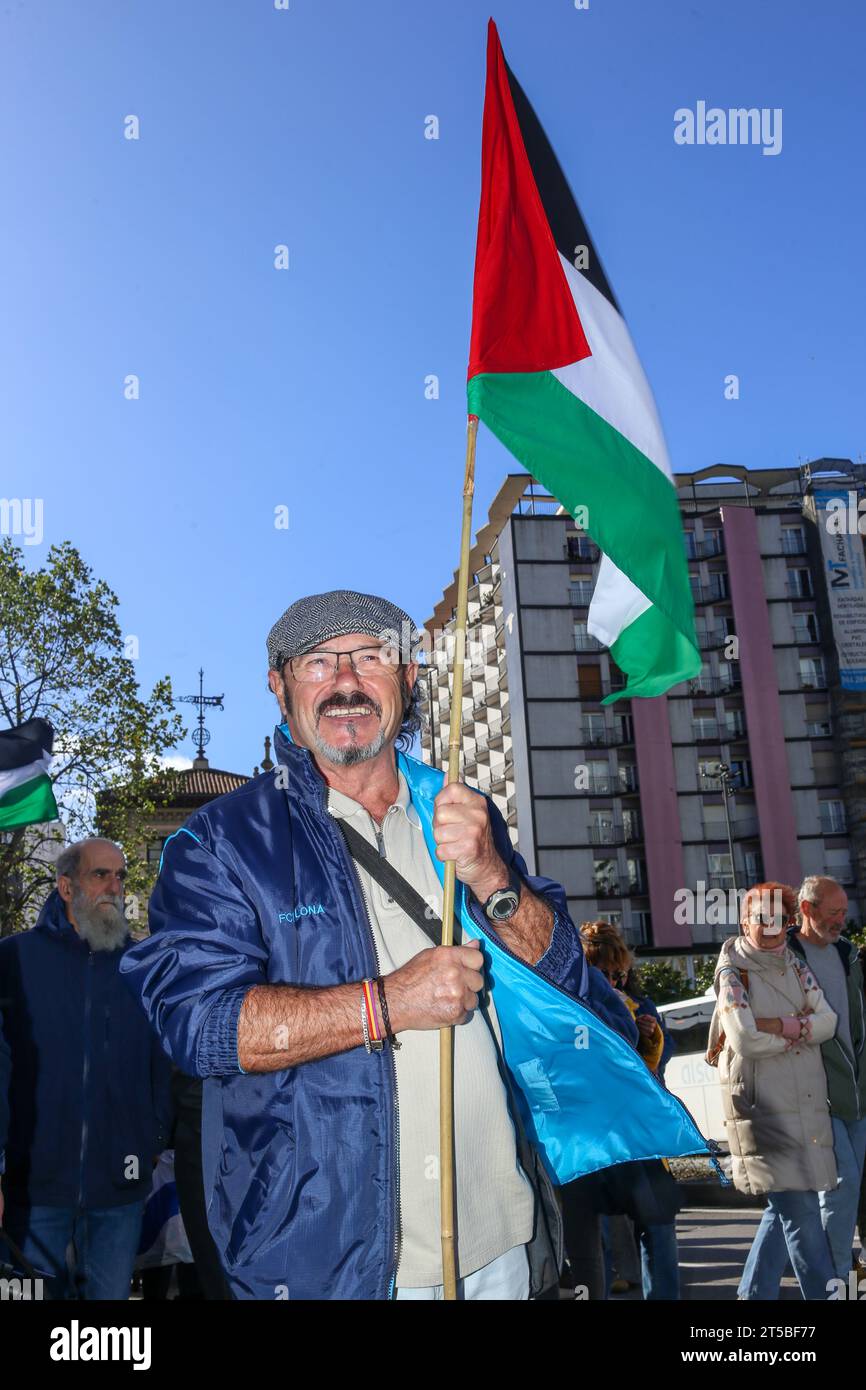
(503, 905)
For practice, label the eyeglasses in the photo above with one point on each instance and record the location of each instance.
(322, 665)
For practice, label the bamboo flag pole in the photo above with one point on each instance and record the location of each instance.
(446, 1035)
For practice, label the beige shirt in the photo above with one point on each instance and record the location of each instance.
(495, 1202)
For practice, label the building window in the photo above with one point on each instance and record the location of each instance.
(838, 865)
(691, 545)
(806, 628)
(819, 728)
(800, 583)
(594, 729)
(614, 918)
(793, 540)
(580, 592)
(154, 850)
(583, 639)
(832, 817)
(627, 773)
(589, 682)
(741, 772)
(606, 878)
(812, 675)
(717, 588)
(719, 873)
(735, 724)
(712, 543)
(705, 727)
(599, 777)
(708, 774)
(636, 875)
(631, 826)
(602, 830)
(624, 728)
(580, 547)
(754, 866)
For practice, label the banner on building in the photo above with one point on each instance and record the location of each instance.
(845, 576)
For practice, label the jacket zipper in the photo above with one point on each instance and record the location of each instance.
(393, 1065)
(84, 1074)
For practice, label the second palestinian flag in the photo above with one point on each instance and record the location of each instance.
(553, 373)
(26, 795)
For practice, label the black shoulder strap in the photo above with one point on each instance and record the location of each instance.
(395, 884)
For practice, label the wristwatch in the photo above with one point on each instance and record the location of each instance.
(502, 905)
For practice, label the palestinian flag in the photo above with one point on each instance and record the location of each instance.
(26, 796)
(553, 373)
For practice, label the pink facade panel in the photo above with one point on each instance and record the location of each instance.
(661, 818)
(773, 797)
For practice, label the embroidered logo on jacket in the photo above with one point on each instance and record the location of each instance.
(304, 910)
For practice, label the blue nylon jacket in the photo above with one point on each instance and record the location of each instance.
(300, 1165)
(90, 1086)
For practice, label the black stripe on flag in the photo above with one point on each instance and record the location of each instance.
(566, 223)
(25, 744)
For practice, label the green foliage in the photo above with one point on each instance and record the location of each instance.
(664, 983)
(62, 659)
(855, 934)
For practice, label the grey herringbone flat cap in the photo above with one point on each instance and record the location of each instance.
(319, 617)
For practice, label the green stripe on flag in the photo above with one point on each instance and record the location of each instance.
(28, 804)
(632, 505)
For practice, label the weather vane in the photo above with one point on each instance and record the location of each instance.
(213, 701)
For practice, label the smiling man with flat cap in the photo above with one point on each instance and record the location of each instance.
(285, 974)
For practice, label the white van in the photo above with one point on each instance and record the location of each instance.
(687, 1075)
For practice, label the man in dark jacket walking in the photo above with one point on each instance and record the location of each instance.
(89, 1094)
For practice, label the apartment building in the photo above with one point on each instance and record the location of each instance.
(650, 811)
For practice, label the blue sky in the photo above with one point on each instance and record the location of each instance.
(305, 388)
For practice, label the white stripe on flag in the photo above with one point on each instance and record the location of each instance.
(16, 776)
(612, 381)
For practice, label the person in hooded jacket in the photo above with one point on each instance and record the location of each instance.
(770, 1023)
(89, 1095)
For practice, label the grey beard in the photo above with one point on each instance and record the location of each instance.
(104, 928)
(355, 753)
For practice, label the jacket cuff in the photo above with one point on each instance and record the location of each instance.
(557, 962)
(217, 1053)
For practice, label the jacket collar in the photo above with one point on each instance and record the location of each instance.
(843, 946)
(53, 920)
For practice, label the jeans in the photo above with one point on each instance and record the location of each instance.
(797, 1217)
(659, 1259)
(505, 1279)
(768, 1257)
(104, 1243)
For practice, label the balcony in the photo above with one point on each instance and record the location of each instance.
(715, 591)
(585, 642)
(580, 595)
(581, 548)
(711, 637)
(615, 833)
(821, 729)
(813, 680)
(705, 731)
(597, 737)
(834, 824)
(744, 827)
(712, 544)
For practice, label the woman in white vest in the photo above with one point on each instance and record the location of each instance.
(770, 1021)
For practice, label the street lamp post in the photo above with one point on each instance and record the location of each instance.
(722, 773)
